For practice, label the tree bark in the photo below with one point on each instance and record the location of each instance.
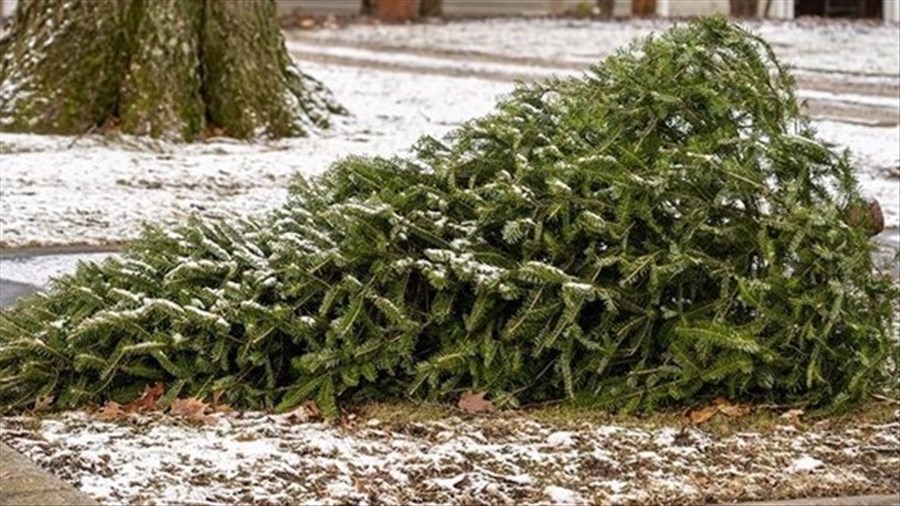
(171, 68)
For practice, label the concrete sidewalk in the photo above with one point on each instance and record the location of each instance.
(22, 483)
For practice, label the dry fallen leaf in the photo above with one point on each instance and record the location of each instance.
(304, 413)
(147, 401)
(42, 403)
(470, 402)
(720, 401)
(792, 414)
(222, 408)
(702, 415)
(733, 410)
(192, 409)
(111, 411)
(312, 408)
(719, 405)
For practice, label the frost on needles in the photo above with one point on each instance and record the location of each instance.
(664, 228)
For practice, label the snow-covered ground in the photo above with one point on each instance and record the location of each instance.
(60, 190)
(271, 459)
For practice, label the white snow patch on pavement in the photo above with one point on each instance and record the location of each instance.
(425, 62)
(806, 44)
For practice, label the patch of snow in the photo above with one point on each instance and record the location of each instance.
(813, 45)
(666, 437)
(804, 464)
(449, 483)
(560, 495)
(561, 439)
(40, 270)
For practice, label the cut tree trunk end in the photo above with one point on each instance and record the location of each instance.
(867, 216)
(165, 68)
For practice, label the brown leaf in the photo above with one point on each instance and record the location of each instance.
(702, 415)
(734, 410)
(720, 401)
(313, 409)
(111, 411)
(792, 414)
(192, 409)
(727, 408)
(147, 401)
(222, 408)
(307, 411)
(42, 403)
(470, 402)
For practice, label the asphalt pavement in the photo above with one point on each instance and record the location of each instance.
(12, 290)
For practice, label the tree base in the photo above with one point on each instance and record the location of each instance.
(164, 68)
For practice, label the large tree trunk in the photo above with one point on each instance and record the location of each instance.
(156, 67)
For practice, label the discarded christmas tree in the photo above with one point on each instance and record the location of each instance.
(666, 227)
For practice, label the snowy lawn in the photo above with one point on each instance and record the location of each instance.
(61, 190)
(549, 456)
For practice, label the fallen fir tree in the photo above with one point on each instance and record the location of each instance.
(665, 228)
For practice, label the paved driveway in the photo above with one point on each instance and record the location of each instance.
(12, 290)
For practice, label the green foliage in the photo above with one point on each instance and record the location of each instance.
(665, 227)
